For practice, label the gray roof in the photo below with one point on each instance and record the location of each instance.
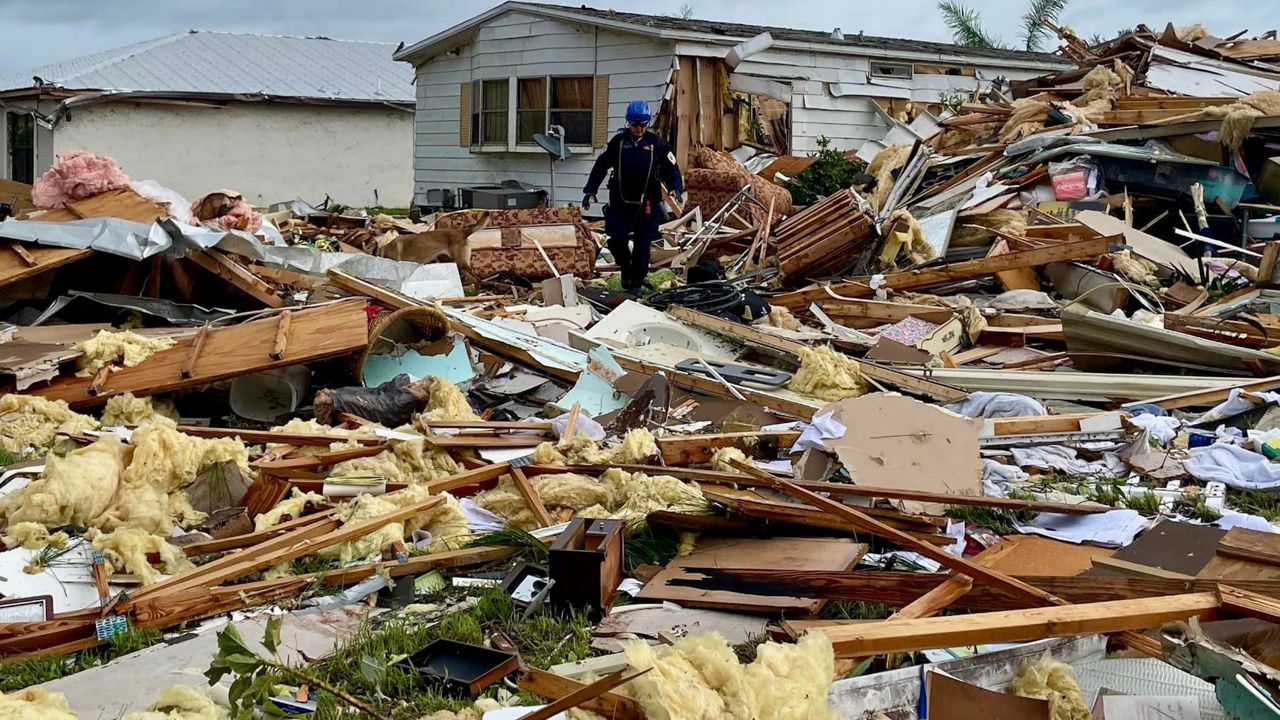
(730, 33)
(740, 31)
(218, 63)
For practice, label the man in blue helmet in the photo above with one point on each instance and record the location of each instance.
(640, 161)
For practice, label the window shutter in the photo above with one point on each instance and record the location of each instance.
(600, 110)
(464, 115)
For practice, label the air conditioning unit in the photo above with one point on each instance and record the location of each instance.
(501, 197)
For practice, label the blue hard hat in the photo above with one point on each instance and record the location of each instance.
(638, 112)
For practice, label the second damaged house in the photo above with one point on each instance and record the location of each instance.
(486, 86)
(274, 117)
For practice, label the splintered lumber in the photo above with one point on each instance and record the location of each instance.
(254, 437)
(890, 636)
(531, 498)
(236, 542)
(282, 335)
(585, 694)
(1209, 398)
(741, 502)
(549, 685)
(224, 267)
(694, 449)
(899, 589)
(840, 489)
(880, 529)
(824, 237)
(1249, 604)
(758, 338)
(320, 332)
(953, 272)
(1252, 545)
(232, 567)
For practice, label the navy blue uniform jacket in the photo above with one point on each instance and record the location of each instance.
(637, 164)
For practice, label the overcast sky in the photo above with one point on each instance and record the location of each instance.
(45, 31)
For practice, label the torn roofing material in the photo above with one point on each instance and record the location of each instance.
(220, 63)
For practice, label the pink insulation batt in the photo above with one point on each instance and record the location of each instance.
(76, 175)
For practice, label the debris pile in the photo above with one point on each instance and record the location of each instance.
(993, 429)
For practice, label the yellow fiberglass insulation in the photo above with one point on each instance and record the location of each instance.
(827, 375)
(903, 232)
(34, 704)
(720, 459)
(383, 465)
(421, 462)
(73, 490)
(557, 490)
(635, 495)
(445, 402)
(108, 347)
(182, 512)
(164, 461)
(977, 230)
(446, 522)
(700, 678)
(129, 410)
(28, 421)
(1048, 679)
(781, 317)
(34, 536)
(883, 166)
(127, 549)
(617, 494)
(1028, 118)
(288, 509)
(637, 446)
(298, 426)
(1134, 268)
(1239, 116)
(181, 702)
(365, 507)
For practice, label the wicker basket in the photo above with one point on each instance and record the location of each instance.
(388, 328)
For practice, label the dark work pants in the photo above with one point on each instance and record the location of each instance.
(623, 222)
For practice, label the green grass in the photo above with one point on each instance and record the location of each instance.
(8, 458)
(1255, 502)
(1001, 521)
(1147, 503)
(544, 639)
(854, 610)
(43, 669)
(528, 548)
(1204, 513)
(650, 545)
(1105, 492)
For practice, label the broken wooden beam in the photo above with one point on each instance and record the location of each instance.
(953, 272)
(891, 636)
(329, 330)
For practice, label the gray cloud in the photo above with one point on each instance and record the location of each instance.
(34, 34)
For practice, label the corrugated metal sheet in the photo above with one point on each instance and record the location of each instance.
(233, 64)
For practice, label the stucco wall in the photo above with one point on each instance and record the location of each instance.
(269, 152)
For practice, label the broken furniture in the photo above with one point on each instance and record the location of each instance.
(459, 668)
(586, 564)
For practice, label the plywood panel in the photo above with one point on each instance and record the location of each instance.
(766, 554)
(315, 333)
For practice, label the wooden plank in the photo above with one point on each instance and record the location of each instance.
(1249, 604)
(1134, 569)
(329, 331)
(759, 338)
(695, 449)
(549, 685)
(187, 371)
(899, 589)
(890, 636)
(845, 489)
(1209, 398)
(1252, 545)
(1019, 279)
(583, 695)
(282, 335)
(875, 527)
(356, 286)
(531, 498)
(779, 553)
(259, 560)
(14, 268)
(954, 272)
(224, 267)
(236, 542)
(271, 436)
(689, 381)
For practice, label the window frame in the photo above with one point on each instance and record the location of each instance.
(512, 142)
(875, 64)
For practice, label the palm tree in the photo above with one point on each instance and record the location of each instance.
(966, 24)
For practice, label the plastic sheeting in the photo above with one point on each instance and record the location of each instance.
(997, 405)
(1233, 466)
(1116, 528)
(109, 235)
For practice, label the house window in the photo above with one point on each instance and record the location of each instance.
(891, 70)
(571, 108)
(504, 115)
(489, 112)
(545, 101)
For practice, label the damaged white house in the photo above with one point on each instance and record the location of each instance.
(273, 117)
(486, 86)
